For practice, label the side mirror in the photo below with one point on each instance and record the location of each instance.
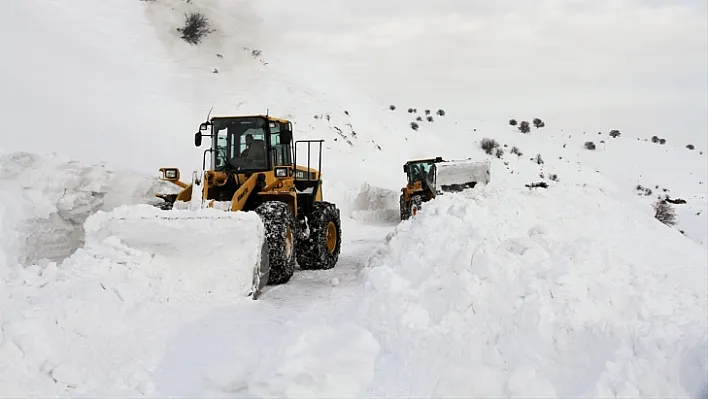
(169, 174)
(198, 139)
(286, 137)
(405, 168)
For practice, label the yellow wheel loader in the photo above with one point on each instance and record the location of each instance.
(254, 168)
(428, 178)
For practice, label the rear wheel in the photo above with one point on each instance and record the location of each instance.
(279, 224)
(320, 249)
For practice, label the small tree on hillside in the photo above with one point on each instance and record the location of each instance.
(196, 27)
(524, 127)
(538, 123)
(513, 122)
(664, 212)
(488, 145)
(614, 133)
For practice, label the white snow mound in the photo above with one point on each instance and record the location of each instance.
(553, 293)
(44, 201)
(375, 205)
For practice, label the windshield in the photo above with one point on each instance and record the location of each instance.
(418, 170)
(240, 143)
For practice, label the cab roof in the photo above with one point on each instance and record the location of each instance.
(436, 159)
(267, 117)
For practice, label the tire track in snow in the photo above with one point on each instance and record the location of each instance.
(231, 349)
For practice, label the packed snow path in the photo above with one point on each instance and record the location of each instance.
(241, 345)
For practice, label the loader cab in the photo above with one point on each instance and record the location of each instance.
(248, 143)
(419, 170)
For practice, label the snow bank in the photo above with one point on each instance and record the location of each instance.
(537, 293)
(376, 205)
(44, 201)
(81, 324)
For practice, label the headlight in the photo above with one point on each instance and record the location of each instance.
(281, 172)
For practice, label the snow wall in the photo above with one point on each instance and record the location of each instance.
(44, 201)
(537, 293)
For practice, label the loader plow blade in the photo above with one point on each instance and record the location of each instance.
(455, 176)
(194, 255)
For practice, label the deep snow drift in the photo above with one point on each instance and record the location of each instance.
(563, 292)
(44, 201)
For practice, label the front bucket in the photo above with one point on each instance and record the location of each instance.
(204, 254)
(455, 176)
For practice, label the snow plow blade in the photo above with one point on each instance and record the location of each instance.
(456, 176)
(204, 254)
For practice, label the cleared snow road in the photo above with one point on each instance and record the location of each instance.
(223, 352)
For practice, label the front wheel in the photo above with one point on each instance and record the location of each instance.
(415, 205)
(320, 249)
(403, 208)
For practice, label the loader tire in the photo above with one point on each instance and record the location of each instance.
(280, 233)
(320, 249)
(403, 208)
(415, 205)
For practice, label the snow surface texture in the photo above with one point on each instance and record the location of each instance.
(44, 201)
(552, 293)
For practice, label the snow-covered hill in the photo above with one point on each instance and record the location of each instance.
(574, 290)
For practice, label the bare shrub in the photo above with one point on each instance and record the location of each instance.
(196, 27)
(488, 145)
(524, 127)
(664, 212)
